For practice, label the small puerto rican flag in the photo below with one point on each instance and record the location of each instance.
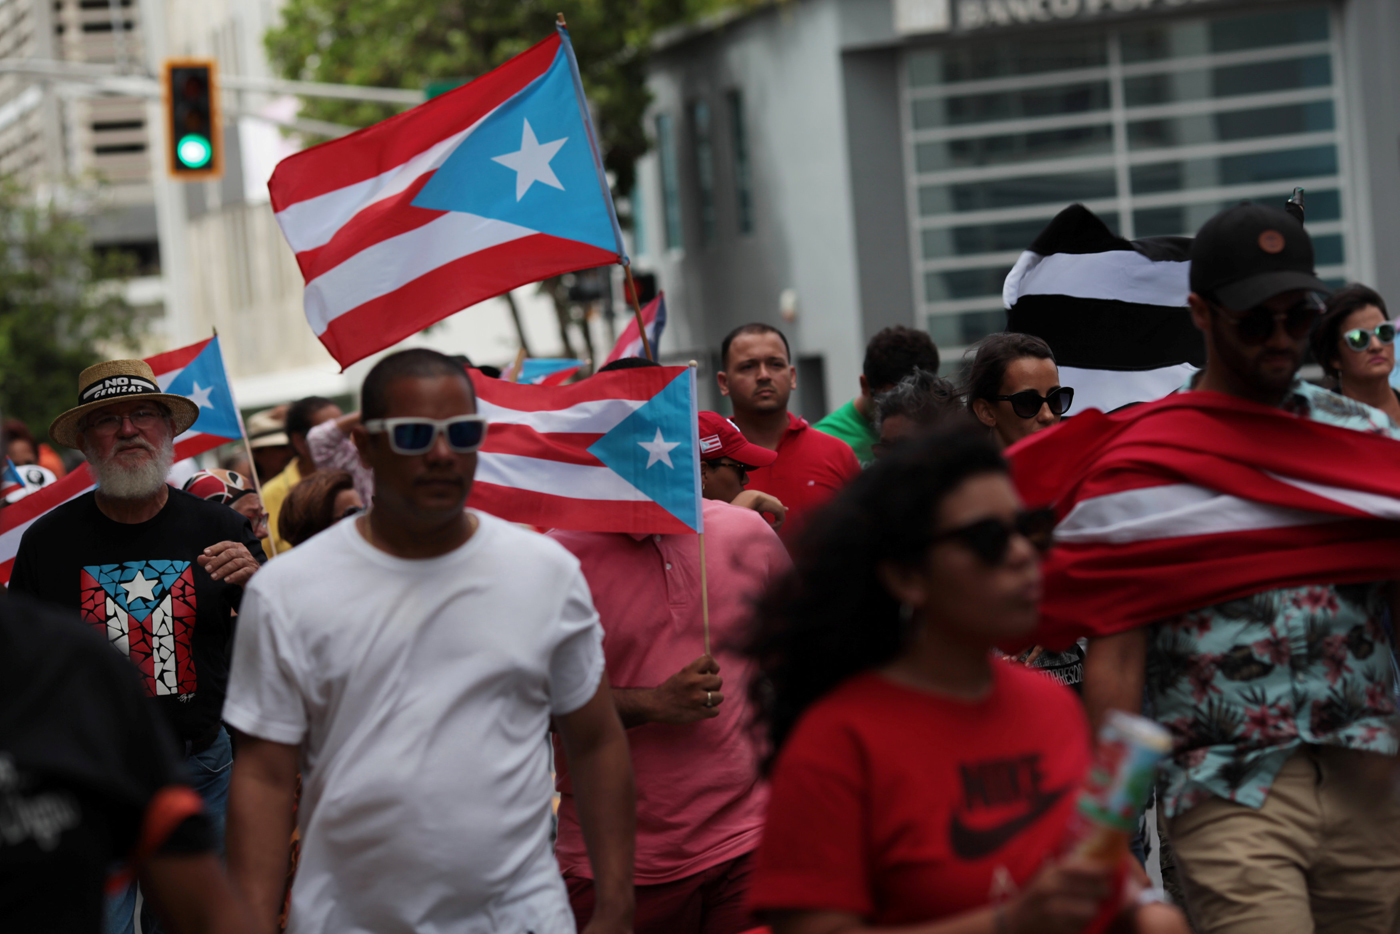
(10, 480)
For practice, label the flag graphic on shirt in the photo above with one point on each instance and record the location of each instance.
(146, 609)
(617, 452)
(196, 372)
(478, 191)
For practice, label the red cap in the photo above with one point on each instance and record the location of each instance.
(719, 437)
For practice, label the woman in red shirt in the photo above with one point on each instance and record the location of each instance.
(920, 784)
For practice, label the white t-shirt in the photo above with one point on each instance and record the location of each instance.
(420, 691)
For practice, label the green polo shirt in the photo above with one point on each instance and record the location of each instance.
(853, 428)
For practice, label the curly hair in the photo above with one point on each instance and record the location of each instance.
(831, 617)
(310, 506)
(1328, 330)
(921, 397)
(997, 353)
(894, 353)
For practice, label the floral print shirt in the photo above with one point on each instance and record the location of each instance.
(1242, 684)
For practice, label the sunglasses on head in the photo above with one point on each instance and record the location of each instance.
(1027, 402)
(1256, 325)
(1358, 339)
(464, 433)
(990, 539)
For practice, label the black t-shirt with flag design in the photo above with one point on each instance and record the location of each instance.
(140, 586)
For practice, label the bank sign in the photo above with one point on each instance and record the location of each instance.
(922, 16)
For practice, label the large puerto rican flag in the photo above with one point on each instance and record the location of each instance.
(1201, 498)
(617, 452)
(196, 372)
(478, 191)
(629, 342)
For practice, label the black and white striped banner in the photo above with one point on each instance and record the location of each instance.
(1113, 311)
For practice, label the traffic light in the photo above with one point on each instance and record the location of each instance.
(194, 133)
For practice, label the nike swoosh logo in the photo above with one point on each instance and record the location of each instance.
(970, 844)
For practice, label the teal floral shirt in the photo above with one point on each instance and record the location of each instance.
(1242, 684)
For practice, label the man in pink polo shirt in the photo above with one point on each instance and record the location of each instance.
(758, 377)
(700, 803)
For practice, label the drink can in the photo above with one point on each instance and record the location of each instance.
(1124, 770)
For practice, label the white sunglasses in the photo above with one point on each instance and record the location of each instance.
(465, 433)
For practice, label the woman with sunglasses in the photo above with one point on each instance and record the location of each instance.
(1355, 343)
(1014, 387)
(918, 783)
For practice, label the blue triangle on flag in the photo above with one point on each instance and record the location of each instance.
(204, 381)
(530, 163)
(158, 578)
(654, 450)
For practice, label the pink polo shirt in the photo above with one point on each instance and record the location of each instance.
(699, 798)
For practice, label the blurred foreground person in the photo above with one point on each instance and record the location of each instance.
(758, 377)
(1014, 387)
(919, 783)
(158, 572)
(319, 502)
(1354, 342)
(232, 489)
(892, 355)
(919, 401)
(410, 662)
(727, 458)
(89, 780)
(700, 800)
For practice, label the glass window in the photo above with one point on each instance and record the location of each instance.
(964, 283)
(1004, 59)
(743, 178)
(1287, 164)
(1012, 192)
(1084, 97)
(704, 168)
(670, 181)
(981, 238)
(1229, 34)
(1014, 147)
(1313, 117)
(1185, 220)
(1327, 250)
(960, 330)
(1229, 81)
(639, 220)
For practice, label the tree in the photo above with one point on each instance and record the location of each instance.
(61, 307)
(407, 43)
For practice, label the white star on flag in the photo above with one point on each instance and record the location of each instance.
(140, 588)
(200, 397)
(659, 449)
(531, 162)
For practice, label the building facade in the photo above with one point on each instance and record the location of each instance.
(837, 166)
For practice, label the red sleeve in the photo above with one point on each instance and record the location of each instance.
(814, 851)
(850, 467)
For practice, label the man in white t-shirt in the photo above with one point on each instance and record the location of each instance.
(409, 662)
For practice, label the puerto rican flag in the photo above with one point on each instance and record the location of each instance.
(617, 452)
(196, 372)
(1200, 498)
(629, 343)
(544, 371)
(478, 191)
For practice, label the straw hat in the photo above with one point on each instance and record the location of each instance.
(268, 428)
(119, 381)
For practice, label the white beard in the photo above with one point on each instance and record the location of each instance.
(139, 482)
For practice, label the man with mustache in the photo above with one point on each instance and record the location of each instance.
(411, 661)
(155, 570)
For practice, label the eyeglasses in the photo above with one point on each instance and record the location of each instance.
(465, 433)
(739, 468)
(1257, 324)
(990, 539)
(1358, 339)
(1027, 402)
(141, 419)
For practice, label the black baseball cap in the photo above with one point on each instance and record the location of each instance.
(1247, 254)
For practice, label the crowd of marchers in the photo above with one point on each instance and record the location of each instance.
(355, 702)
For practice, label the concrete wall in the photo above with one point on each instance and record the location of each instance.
(787, 63)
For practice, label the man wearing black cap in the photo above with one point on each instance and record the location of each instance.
(1280, 703)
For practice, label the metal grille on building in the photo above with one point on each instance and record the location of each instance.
(1155, 126)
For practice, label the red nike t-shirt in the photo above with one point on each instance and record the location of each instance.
(903, 806)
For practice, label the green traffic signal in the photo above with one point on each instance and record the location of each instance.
(194, 151)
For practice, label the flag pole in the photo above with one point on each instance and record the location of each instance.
(637, 309)
(518, 365)
(704, 579)
(248, 447)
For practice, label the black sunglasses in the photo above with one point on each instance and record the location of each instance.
(1256, 325)
(741, 469)
(990, 539)
(1027, 402)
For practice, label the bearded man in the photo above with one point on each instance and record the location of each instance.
(156, 570)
